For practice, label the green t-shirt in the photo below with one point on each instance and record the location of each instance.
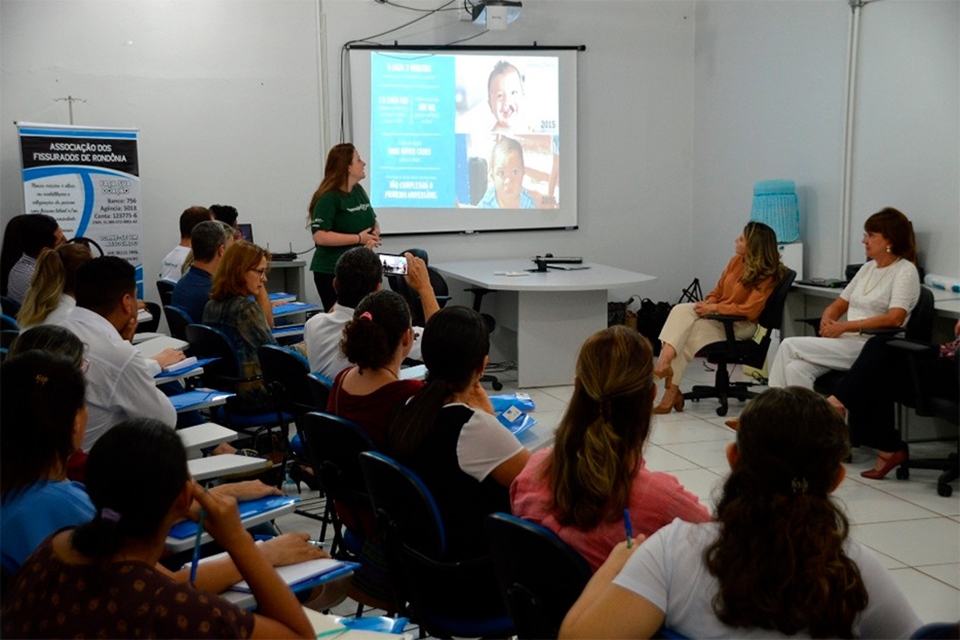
(343, 213)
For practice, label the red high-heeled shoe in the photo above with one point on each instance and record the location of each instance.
(895, 459)
(666, 404)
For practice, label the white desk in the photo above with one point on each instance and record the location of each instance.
(176, 545)
(550, 314)
(227, 464)
(203, 435)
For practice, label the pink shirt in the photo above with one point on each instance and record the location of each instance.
(656, 499)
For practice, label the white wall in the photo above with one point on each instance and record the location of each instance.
(770, 88)
(683, 106)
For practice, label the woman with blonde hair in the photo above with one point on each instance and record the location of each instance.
(595, 471)
(238, 301)
(744, 286)
(340, 217)
(50, 296)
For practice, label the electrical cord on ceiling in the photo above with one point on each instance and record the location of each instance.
(370, 40)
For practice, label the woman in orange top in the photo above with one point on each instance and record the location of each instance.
(744, 286)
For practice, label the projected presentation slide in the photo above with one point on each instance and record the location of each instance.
(464, 130)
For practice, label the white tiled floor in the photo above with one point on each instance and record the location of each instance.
(915, 531)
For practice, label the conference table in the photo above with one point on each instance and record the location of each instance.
(543, 318)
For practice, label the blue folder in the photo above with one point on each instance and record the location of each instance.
(248, 509)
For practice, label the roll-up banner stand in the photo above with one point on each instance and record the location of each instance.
(88, 178)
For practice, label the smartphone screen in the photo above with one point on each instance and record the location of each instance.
(393, 264)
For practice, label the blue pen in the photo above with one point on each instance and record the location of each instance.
(628, 525)
(196, 549)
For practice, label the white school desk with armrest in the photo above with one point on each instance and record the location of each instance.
(547, 316)
(176, 545)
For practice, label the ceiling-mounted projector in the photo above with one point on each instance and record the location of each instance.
(495, 14)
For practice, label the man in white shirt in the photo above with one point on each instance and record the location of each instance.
(172, 266)
(359, 272)
(120, 382)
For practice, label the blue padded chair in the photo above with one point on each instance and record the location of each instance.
(177, 321)
(320, 387)
(9, 306)
(445, 597)
(8, 323)
(540, 575)
(165, 289)
(224, 374)
(154, 323)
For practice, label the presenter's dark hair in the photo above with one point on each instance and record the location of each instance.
(454, 344)
(335, 173)
(225, 213)
(897, 229)
(133, 475)
(40, 397)
(38, 232)
(600, 439)
(779, 556)
(191, 217)
(102, 282)
(205, 239)
(358, 273)
(378, 325)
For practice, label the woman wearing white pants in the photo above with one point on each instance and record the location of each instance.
(743, 289)
(881, 295)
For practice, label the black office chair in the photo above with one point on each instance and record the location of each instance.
(440, 289)
(285, 375)
(919, 327)
(153, 324)
(934, 391)
(446, 598)
(320, 387)
(9, 306)
(749, 352)
(225, 374)
(165, 289)
(540, 575)
(9, 323)
(177, 321)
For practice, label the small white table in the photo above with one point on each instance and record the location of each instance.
(550, 313)
(227, 464)
(203, 435)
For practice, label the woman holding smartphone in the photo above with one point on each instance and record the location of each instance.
(340, 217)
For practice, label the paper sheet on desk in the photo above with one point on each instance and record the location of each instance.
(309, 571)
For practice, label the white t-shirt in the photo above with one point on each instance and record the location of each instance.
(322, 334)
(874, 291)
(484, 444)
(172, 266)
(668, 571)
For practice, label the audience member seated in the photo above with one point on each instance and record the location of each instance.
(236, 307)
(172, 266)
(209, 242)
(11, 250)
(448, 435)
(580, 488)
(227, 215)
(113, 557)
(51, 296)
(43, 419)
(377, 339)
(38, 232)
(357, 273)
(778, 561)
(120, 381)
(869, 390)
(744, 286)
(881, 295)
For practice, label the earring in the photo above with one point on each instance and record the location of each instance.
(888, 249)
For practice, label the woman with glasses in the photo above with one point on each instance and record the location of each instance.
(239, 306)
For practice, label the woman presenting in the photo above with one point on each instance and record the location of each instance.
(340, 217)
(743, 289)
(880, 296)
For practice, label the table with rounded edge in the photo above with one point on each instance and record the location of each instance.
(550, 314)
